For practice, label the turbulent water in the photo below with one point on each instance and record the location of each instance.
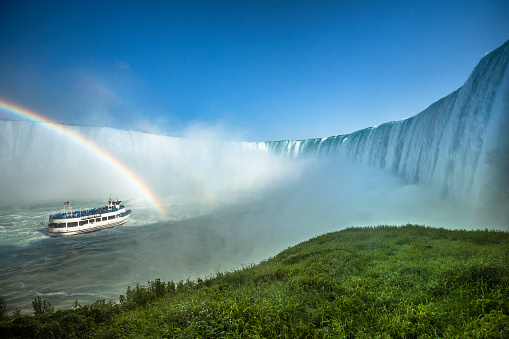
(233, 203)
(459, 145)
(100, 265)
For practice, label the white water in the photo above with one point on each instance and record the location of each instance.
(199, 240)
(458, 145)
(232, 203)
(208, 189)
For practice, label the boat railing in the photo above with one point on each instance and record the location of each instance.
(84, 213)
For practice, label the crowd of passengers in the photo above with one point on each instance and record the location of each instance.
(84, 213)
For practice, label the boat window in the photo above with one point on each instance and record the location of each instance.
(72, 224)
(84, 222)
(98, 219)
(105, 218)
(111, 217)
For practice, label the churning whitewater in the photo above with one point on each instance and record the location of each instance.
(234, 203)
(458, 145)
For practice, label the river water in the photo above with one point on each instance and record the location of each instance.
(102, 264)
(200, 237)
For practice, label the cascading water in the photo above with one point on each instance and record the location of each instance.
(231, 203)
(455, 145)
(37, 164)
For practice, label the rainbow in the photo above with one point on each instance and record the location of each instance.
(88, 144)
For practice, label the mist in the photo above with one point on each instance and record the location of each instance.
(229, 204)
(325, 195)
(247, 228)
(202, 203)
(204, 173)
(40, 165)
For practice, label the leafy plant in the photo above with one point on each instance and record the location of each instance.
(386, 281)
(3, 309)
(41, 306)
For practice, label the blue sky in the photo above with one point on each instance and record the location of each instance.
(258, 70)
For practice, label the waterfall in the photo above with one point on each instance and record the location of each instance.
(459, 146)
(456, 144)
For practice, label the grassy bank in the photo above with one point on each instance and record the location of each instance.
(402, 282)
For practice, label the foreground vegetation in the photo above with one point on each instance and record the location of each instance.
(401, 282)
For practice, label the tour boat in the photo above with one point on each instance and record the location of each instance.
(71, 222)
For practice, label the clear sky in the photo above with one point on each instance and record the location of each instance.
(258, 69)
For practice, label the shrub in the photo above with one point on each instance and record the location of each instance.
(41, 306)
(405, 282)
(3, 307)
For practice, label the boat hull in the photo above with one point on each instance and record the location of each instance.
(62, 232)
(89, 220)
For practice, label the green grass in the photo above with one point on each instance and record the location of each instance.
(384, 282)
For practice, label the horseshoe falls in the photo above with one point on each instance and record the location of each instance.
(454, 153)
(459, 145)
(231, 203)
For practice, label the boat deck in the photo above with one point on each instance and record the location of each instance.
(84, 213)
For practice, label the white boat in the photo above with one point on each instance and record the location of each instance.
(71, 222)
